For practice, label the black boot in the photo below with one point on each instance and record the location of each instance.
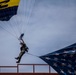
(17, 58)
(18, 61)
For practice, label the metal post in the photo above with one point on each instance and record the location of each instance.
(33, 68)
(17, 68)
(49, 69)
(0, 69)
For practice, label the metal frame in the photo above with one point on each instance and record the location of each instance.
(33, 65)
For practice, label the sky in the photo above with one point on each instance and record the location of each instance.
(48, 25)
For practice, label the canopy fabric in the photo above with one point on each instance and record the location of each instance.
(8, 8)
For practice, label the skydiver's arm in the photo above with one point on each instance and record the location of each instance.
(21, 36)
(22, 40)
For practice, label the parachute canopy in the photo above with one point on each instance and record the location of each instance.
(15, 26)
(8, 8)
(63, 60)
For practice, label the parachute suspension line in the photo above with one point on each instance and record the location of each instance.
(32, 54)
(4, 27)
(20, 24)
(21, 19)
(8, 28)
(30, 10)
(25, 3)
(8, 31)
(17, 27)
(32, 7)
(13, 29)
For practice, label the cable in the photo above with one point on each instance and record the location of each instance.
(32, 54)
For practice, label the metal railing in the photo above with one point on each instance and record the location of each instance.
(33, 67)
(3, 67)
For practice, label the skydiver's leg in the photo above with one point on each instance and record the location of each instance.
(20, 56)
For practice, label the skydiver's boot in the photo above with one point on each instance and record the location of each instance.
(17, 58)
(18, 61)
(20, 56)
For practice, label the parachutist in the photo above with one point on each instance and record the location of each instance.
(23, 49)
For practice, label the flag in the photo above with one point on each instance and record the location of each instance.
(63, 60)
